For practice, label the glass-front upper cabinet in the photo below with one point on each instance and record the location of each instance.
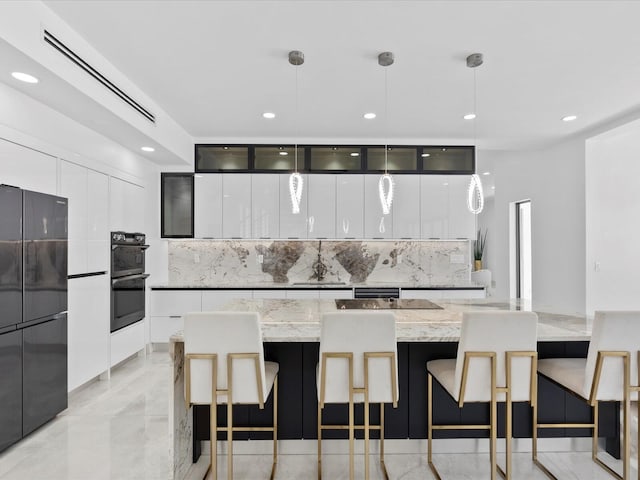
(448, 159)
(216, 158)
(397, 159)
(336, 159)
(277, 158)
(176, 191)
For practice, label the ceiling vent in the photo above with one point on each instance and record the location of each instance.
(71, 55)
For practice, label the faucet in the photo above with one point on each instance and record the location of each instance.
(319, 268)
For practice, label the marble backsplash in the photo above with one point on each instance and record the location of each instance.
(424, 262)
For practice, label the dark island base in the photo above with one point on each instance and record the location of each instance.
(297, 411)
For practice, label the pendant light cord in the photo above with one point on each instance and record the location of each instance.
(475, 110)
(297, 129)
(386, 122)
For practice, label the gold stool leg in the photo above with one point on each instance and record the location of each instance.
(366, 437)
(594, 438)
(275, 428)
(382, 464)
(319, 442)
(509, 435)
(351, 441)
(213, 417)
(229, 439)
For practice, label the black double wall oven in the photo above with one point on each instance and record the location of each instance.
(127, 279)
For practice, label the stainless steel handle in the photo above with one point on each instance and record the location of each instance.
(130, 277)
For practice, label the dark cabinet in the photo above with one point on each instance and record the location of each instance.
(10, 388)
(10, 256)
(176, 190)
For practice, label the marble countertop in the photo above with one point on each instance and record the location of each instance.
(299, 320)
(311, 285)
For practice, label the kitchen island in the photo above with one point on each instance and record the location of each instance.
(291, 331)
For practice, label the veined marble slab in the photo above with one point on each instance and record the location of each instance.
(299, 320)
(417, 262)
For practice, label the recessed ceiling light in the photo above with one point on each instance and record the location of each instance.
(493, 187)
(469, 116)
(486, 173)
(369, 116)
(445, 184)
(425, 155)
(24, 77)
(269, 115)
(354, 154)
(148, 149)
(283, 153)
(569, 118)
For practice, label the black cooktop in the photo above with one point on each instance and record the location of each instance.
(386, 304)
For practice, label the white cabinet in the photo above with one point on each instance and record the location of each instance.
(26, 168)
(322, 206)
(434, 206)
(126, 206)
(88, 193)
(98, 240)
(166, 310)
(136, 208)
(442, 294)
(265, 206)
(421, 294)
(376, 225)
(293, 225)
(73, 185)
(302, 294)
(216, 299)
(462, 223)
(117, 207)
(269, 294)
(333, 294)
(174, 302)
(88, 328)
(236, 205)
(406, 206)
(208, 206)
(349, 206)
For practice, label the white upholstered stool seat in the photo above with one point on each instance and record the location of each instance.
(357, 364)
(609, 373)
(568, 372)
(224, 364)
(496, 362)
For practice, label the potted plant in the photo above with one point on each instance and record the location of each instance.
(478, 249)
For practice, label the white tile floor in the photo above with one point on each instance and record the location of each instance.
(118, 429)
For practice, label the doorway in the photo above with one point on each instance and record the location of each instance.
(523, 249)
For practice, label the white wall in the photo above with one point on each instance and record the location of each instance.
(613, 220)
(554, 181)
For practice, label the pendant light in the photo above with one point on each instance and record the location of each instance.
(475, 195)
(296, 182)
(385, 184)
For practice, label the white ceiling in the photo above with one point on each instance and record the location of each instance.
(216, 66)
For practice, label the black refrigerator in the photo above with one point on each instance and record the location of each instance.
(33, 305)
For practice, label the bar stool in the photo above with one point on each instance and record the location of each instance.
(224, 364)
(357, 364)
(496, 362)
(605, 375)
